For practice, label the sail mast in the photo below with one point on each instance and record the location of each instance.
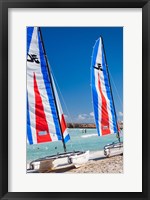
(111, 90)
(50, 78)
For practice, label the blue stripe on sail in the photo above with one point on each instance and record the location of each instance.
(107, 86)
(94, 90)
(67, 138)
(48, 88)
(29, 133)
(29, 37)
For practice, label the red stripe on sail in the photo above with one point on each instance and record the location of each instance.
(63, 123)
(42, 131)
(105, 129)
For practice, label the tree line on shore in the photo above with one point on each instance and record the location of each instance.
(89, 125)
(81, 125)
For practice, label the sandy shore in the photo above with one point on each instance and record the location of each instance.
(105, 165)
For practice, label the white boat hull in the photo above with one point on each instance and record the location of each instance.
(68, 160)
(113, 149)
(79, 160)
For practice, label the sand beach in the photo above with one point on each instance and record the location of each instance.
(106, 165)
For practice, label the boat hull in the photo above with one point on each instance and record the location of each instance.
(113, 149)
(50, 163)
(79, 160)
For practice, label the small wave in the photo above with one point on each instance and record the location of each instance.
(89, 135)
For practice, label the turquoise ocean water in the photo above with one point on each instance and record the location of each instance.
(79, 141)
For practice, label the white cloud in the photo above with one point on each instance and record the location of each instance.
(86, 118)
(92, 114)
(82, 116)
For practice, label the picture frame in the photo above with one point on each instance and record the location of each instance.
(4, 96)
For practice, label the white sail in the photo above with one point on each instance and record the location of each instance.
(104, 110)
(45, 119)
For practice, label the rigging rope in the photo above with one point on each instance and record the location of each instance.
(116, 90)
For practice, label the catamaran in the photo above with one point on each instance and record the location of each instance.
(45, 118)
(103, 102)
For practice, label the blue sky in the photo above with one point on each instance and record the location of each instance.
(69, 51)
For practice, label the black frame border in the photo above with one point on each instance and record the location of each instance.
(4, 6)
